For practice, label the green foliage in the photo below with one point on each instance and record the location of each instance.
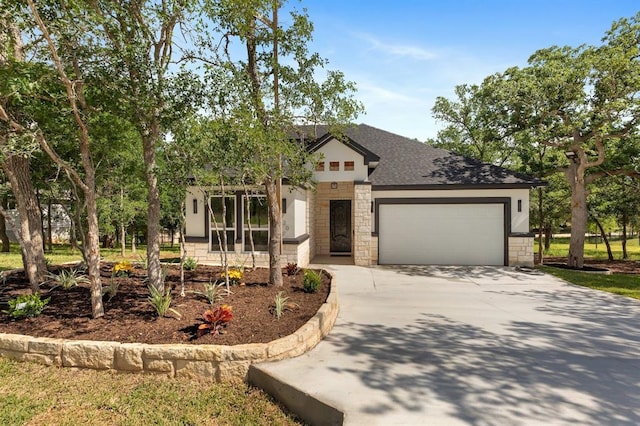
(190, 264)
(215, 320)
(281, 304)
(26, 305)
(234, 275)
(312, 281)
(622, 284)
(142, 260)
(212, 291)
(68, 278)
(112, 289)
(161, 302)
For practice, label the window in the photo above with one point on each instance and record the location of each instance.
(195, 206)
(320, 166)
(334, 166)
(256, 213)
(348, 166)
(218, 226)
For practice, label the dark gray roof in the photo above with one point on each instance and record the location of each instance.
(407, 162)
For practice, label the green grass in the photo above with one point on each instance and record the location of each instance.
(62, 253)
(560, 247)
(38, 395)
(622, 284)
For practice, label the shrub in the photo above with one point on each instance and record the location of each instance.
(215, 320)
(161, 302)
(292, 268)
(142, 261)
(190, 264)
(26, 305)
(122, 269)
(235, 275)
(68, 278)
(312, 281)
(111, 289)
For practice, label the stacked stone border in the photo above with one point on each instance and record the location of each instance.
(219, 362)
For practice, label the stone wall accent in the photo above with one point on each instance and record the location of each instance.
(218, 362)
(374, 249)
(324, 195)
(362, 224)
(290, 253)
(520, 251)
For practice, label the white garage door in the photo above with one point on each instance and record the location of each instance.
(441, 234)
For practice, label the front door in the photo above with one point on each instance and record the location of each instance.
(340, 226)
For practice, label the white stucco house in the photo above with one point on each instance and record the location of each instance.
(379, 198)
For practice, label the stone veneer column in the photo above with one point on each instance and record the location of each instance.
(362, 224)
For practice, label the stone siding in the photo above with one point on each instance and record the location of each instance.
(218, 362)
(362, 225)
(521, 251)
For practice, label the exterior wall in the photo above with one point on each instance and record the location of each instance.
(362, 225)
(291, 253)
(311, 222)
(521, 251)
(374, 249)
(195, 222)
(335, 150)
(324, 194)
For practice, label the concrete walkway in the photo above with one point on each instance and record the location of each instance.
(466, 345)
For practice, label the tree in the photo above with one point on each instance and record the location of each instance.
(270, 90)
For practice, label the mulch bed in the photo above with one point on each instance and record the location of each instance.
(615, 266)
(129, 317)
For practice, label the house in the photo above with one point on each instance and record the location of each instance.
(379, 198)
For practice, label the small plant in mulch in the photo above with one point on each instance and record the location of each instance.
(282, 304)
(68, 278)
(292, 269)
(312, 281)
(212, 291)
(234, 274)
(112, 289)
(190, 264)
(26, 305)
(122, 269)
(215, 320)
(161, 302)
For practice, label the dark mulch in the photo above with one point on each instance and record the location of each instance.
(129, 317)
(615, 266)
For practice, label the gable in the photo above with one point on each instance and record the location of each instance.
(344, 157)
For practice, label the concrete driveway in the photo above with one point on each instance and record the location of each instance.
(466, 345)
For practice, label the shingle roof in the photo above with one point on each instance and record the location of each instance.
(407, 162)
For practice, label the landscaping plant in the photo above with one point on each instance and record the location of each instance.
(111, 289)
(292, 268)
(212, 291)
(161, 302)
(312, 281)
(68, 278)
(26, 305)
(122, 269)
(190, 264)
(280, 305)
(235, 275)
(215, 320)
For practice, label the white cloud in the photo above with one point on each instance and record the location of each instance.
(403, 50)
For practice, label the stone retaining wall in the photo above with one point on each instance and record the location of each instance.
(219, 362)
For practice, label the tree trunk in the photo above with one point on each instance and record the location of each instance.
(92, 249)
(50, 226)
(123, 231)
(275, 232)
(625, 219)
(540, 226)
(154, 271)
(603, 234)
(547, 236)
(575, 178)
(4, 237)
(17, 170)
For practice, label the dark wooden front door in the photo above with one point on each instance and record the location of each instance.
(340, 226)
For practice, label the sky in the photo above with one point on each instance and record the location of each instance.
(403, 54)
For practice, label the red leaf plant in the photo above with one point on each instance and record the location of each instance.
(215, 320)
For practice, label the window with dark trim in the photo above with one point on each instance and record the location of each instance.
(348, 166)
(320, 166)
(334, 166)
(195, 206)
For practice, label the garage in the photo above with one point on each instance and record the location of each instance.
(440, 233)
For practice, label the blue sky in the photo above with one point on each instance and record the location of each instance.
(402, 54)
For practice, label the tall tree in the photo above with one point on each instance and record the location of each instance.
(273, 88)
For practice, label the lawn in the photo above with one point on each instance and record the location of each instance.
(37, 395)
(62, 253)
(623, 284)
(592, 249)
